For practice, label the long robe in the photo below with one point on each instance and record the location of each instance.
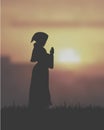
(39, 96)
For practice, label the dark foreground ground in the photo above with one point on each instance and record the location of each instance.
(62, 118)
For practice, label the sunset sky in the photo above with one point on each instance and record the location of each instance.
(75, 24)
(76, 31)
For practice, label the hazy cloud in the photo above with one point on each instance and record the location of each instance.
(56, 24)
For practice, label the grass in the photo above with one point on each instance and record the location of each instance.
(57, 118)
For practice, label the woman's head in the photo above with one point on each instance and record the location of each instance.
(40, 38)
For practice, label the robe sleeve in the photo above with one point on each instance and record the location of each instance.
(45, 58)
(41, 56)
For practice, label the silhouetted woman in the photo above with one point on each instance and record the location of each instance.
(39, 96)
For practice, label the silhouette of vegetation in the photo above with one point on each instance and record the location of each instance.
(57, 118)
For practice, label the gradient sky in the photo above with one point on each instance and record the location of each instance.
(71, 24)
(77, 24)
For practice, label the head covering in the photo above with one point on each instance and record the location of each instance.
(39, 36)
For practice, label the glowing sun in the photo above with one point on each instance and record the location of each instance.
(69, 56)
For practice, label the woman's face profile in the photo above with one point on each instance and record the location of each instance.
(41, 42)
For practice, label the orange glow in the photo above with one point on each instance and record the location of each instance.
(75, 24)
(70, 24)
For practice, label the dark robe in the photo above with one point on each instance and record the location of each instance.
(39, 96)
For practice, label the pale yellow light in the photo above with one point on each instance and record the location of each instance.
(69, 56)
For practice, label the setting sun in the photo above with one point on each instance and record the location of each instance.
(69, 56)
